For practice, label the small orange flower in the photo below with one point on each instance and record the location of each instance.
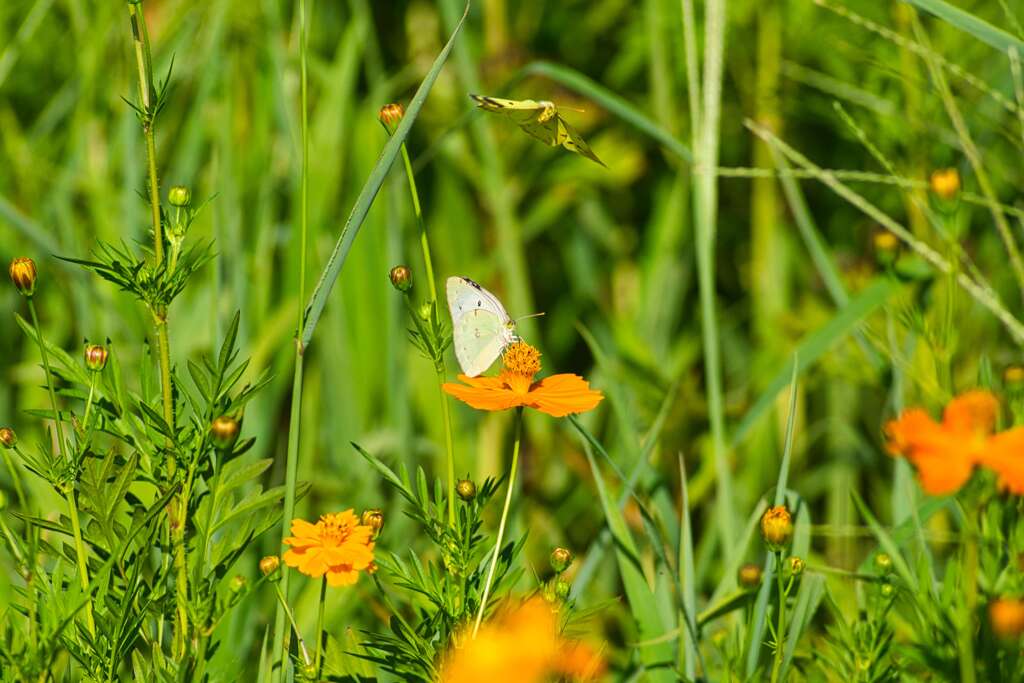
(520, 644)
(337, 546)
(1005, 457)
(557, 395)
(945, 453)
(1006, 616)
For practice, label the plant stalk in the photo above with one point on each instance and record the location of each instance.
(780, 630)
(504, 519)
(319, 657)
(295, 414)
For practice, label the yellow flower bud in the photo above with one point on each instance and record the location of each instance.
(8, 438)
(374, 519)
(269, 565)
(401, 278)
(224, 431)
(777, 527)
(95, 357)
(749, 575)
(23, 274)
(390, 115)
(887, 247)
(883, 563)
(945, 183)
(1013, 377)
(560, 559)
(795, 565)
(466, 489)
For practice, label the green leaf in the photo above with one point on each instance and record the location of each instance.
(969, 23)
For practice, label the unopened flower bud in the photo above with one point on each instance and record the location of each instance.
(179, 196)
(883, 563)
(945, 183)
(372, 568)
(560, 559)
(96, 357)
(224, 431)
(795, 565)
(887, 590)
(8, 438)
(269, 565)
(777, 527)
(390, 115)
(749, 575)
(401, 278)
(887, 247)
(562, 589)
(1013, 377)
(23, 275)
(237, 584)
(426, 310)
(466, 489)
(1006, 616)
(374, 519)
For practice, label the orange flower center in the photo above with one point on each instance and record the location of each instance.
(522, 359)
(333, 529)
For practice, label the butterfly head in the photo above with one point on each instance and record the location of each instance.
(547, 112)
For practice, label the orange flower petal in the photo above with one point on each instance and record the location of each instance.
(1005, 456)
(342, 575)
(942, 470)
(489, 395)
(911, 429)
(561, 395)
(971, 413)
(304, 529)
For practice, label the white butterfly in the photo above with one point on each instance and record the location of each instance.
(481, 329)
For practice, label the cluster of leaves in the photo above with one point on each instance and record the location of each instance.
(114, 465)
(445, 588)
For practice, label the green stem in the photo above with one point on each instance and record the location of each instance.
(295, 416)
(970, 587)
(780, 630)
(49, 378)
(319, 657)
(504, 519)
(76, 527)
(428, 262)
(283, 605)
(88, 402)
(446, 413)
(16, 478)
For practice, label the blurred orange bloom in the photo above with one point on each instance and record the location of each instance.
(1005, 457)
(521, 644)
(557, 395)
(337, 546)
(945, 453)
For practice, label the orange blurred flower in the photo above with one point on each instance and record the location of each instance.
(1005, 457)
(337, 546)
(521, 644)
(1006, 616)
(946, 453)
(557, 395)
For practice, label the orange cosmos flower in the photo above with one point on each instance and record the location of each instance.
(945, 453)
(1005, 456)
(520, 644)
(337, 546)
(557, 395)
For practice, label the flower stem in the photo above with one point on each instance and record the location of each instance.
(295, 415)
(504, 519)
(16, 478)
(970, 588)
(69, 493)
(439, 367)
(283, 604)
(319, 657)
(780, 638)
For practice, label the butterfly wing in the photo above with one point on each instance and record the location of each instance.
(523, 112)
(481, 328)
(571, 139)
(478, 337)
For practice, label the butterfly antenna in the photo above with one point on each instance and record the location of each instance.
(532, 315)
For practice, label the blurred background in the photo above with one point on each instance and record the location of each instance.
(606, 254)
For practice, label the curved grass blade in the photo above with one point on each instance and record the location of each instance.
(369, 192)
(968, 23)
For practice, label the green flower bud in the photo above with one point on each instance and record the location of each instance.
(374, 519)
(562, 590)
(795, 565)
(883, 563)
(237, 584)
(179, 196)
(466, 489)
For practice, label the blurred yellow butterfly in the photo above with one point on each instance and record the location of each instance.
(540, 120)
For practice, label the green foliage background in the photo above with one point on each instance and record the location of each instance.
(607, 255)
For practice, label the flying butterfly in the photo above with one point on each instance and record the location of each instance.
(481, 329)
(539, 119)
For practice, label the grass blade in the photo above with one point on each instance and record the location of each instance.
(369, 192)
(968, 23)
